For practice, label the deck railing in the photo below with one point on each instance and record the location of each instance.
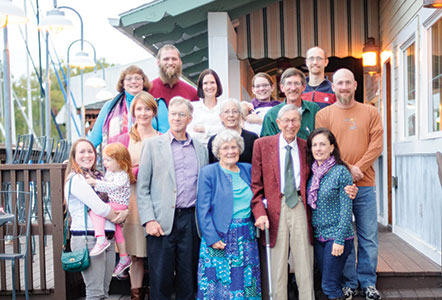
(46, 278)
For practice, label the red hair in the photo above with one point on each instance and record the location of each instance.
(121, 155)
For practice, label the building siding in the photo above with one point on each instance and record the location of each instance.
(419, 205)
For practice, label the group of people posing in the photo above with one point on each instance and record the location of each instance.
(190, 178)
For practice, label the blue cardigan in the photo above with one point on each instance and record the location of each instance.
(214, 202)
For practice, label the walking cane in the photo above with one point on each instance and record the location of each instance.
(269, 268)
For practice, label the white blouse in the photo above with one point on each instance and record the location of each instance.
(206, 117)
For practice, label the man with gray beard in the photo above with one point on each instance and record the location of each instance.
(169, 84)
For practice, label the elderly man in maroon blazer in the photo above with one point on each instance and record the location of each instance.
(279, 174)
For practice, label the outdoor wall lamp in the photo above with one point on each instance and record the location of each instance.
(370, 56)
(433, 3)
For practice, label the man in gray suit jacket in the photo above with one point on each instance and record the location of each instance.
(166, 198)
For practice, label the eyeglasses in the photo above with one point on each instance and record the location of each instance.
(287, 121)
(179, 114)
(264, 85)
(130, 78)
(293, 84)
(233, 112)
(313, 58)
(227, 148)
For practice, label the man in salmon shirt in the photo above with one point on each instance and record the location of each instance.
(359, 133)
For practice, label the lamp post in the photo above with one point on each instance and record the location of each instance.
(9, 14)
(82, 61)
(56, 22)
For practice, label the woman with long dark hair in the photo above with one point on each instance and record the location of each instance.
(205, 119)
(331, 209)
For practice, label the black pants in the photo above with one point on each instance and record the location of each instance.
(173, 259)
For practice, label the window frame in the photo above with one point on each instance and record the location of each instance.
(406, 39)
(430, 18)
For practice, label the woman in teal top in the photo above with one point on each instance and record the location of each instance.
(228, 266)
(331, 209)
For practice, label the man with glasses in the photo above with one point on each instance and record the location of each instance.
(319, 88)
(166, 198)
(279, 174)
(169, 84)
(292, 85)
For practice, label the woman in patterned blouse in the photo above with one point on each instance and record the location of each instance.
(331, 209)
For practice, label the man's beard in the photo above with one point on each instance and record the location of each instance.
(170, 77)
(345, 99)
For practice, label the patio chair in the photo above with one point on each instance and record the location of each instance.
(20, 230)
(39, 151)
(45, 158)
(60, 149)
(23, 150)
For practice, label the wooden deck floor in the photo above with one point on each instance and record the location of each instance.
(396, 257)
(399, 267)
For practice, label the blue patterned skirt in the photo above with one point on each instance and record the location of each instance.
(231, 273)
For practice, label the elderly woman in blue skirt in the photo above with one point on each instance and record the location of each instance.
(228, 266)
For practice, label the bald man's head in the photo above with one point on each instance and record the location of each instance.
(344, 86)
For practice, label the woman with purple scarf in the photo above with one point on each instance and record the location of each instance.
(331, 209)
(262, 88)
(115, 119)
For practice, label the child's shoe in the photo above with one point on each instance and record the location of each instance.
(99, 248)
(120, 267)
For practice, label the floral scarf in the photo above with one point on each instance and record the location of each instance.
(318, 172)
(118, 119)
(99, 176)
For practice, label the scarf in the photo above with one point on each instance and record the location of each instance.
(99, 176)
(318, 172)
(118, 119)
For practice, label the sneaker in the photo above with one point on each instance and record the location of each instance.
(99, 248)
(123, 276)
(371, 293)
(349, 292)
(119, 268)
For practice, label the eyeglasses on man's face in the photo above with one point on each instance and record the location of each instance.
(315, 58)
(180, 115)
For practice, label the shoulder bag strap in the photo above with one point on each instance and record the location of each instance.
(67, 217)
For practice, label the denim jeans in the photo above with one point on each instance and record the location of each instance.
(364, 210)
(331, 267)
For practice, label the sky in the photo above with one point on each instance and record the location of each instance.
(109, 43)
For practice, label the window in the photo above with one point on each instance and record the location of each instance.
(436, 76)
(410, 90)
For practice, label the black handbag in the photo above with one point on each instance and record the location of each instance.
(75, 261)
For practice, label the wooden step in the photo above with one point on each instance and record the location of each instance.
(399, 294)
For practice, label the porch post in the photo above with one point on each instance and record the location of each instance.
(222, 53)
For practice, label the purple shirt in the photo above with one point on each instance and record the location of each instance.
(186, 171)
(257, 104)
